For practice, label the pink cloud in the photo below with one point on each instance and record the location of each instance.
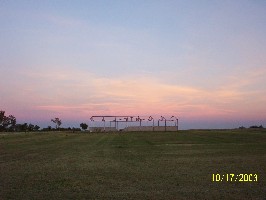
(75, 94)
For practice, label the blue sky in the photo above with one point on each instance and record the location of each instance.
(203, 61)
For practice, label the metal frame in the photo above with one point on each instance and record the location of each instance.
(130, 119)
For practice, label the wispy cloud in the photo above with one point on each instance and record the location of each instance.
(192, 60)
(70, 92)
(132, 94)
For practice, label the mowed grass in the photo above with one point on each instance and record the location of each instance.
(132, 165)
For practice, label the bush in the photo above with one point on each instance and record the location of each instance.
(255, 126)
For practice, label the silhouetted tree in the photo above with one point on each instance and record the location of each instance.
(49, 128)
(75, 129)
(24, 127)
(3, 120)
(57, 122)
(18, 127)
(255, 126)
(31, 127)
(84, 126)
(7, 123)
(12, 122)
(36, 128)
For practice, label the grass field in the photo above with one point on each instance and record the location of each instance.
(132, 165)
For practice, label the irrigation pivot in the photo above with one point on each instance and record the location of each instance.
(103, 123)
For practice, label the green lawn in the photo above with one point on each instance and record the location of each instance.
(132, 165)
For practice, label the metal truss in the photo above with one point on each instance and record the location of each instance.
(131, 119)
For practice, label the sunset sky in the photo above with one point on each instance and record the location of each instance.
(201, 61)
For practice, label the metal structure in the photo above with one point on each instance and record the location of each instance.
(172, 119)
(131, 120)
(120, 119)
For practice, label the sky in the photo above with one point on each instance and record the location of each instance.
(201, 61)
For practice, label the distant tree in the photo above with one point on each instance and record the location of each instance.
(3, 119)
(2, 114)
(57, 122)
(24, 127)
(7, 123)
(36, 128)
(30, 127)
(255, 126)
(18, 127)
(84, 126)
(12, 122)
(75, 129)
(49, 128)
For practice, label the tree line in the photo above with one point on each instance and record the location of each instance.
(9, 124)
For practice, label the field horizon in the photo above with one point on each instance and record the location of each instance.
(133, 165)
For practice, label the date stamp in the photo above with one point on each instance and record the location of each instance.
(234, 177)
